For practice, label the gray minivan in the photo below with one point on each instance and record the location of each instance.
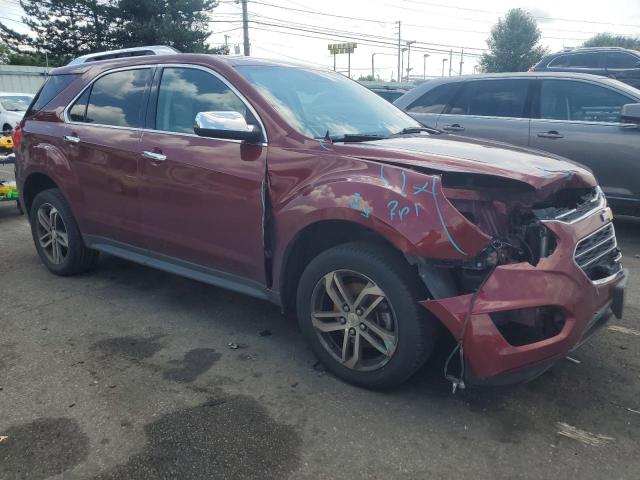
(589, 119)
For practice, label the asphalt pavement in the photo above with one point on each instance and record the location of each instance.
(127, 373)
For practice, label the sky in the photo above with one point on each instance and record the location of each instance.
(300, 30)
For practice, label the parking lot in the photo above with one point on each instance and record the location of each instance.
(127, 373)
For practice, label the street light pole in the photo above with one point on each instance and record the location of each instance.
(444, 61)
(373, 68)
(409, 42)
(399, 52)
(424, 71)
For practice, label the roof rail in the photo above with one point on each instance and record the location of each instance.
(125, 52)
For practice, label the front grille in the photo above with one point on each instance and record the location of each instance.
(598, 255)
(570, 205)
(594, 199)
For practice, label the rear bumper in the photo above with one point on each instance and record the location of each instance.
(555, 282)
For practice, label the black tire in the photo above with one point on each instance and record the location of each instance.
(416, 328)
(78, 258)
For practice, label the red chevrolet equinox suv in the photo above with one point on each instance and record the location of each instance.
(301, 187)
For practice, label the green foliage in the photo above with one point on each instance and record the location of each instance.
(65, 29)
(612, 40)
(4, 54)
(367, 78)
(182, 24)
(513, 44)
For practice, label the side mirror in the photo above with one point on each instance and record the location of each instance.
(630, 113)
(226, 124)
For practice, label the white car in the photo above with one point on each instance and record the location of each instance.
(12, 109)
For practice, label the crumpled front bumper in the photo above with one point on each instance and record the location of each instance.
(556, 281)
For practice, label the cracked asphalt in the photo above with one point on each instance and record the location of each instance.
(126, 373)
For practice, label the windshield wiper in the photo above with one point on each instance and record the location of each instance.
(357, 137)
(412, 130)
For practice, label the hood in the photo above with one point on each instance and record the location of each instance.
(13, 118)
(449, 154)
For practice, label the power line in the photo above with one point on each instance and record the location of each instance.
(358, 34)
(557, 19)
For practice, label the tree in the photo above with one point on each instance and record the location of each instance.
(182, 24)
(513, 44)
(612, 40)
(4, 54)
(63, 29)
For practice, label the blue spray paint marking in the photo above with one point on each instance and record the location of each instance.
(392, 205)
(403, 211)
(355, 203)
(404, 184)
(419, 189)
(444, 227)
(417, 207)
(386, 182)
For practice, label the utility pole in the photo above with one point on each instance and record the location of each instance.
(245, 28)
(461, 60)
(444, 60)
(409, 42)
(450, 60)
(399, 52)
(424, 71)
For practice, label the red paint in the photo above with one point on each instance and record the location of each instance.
(204, 204)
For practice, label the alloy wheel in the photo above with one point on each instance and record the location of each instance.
(52, 233)
(354, 320)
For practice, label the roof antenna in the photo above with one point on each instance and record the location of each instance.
(327, 138)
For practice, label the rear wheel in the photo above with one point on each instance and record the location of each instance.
(57, 237)
(357, 307)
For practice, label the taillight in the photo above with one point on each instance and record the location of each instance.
(16, 135)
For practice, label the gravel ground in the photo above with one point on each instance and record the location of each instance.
(126, 373)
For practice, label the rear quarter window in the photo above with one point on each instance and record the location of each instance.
(52, 87)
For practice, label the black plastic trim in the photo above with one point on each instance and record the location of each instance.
(183, 268)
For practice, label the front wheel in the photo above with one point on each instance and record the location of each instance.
(357, 306)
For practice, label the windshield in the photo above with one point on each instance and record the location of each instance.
(17, 103)
(316, 102)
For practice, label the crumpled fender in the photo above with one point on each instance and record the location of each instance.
(406, 207)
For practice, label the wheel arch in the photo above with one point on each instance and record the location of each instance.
(314, 239)
(35, 183)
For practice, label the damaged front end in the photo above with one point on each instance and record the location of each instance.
(550, 275)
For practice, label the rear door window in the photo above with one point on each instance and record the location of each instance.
(585, 60)
(115, 99)
(435, 100)
(622, 60)
(580, 101)
(492, 98)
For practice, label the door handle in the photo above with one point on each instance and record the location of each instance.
(550, 134)
(156, 157)
(71, 139)
(453, 128)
